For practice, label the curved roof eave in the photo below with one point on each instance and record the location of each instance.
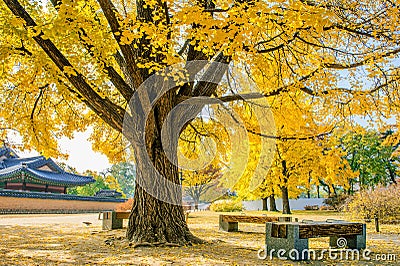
(45, 178)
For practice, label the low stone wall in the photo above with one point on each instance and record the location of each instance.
(32, 203)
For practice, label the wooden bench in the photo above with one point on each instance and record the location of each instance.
(112, 219)
(229, 223)
(294, 235)
(115, 219)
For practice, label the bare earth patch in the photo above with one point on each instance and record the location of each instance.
(66, 240)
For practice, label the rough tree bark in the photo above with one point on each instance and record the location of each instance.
(392, 173)
(154, 219)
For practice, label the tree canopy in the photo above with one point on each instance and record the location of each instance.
(98, 52)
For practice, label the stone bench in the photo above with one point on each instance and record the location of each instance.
(294, 235)
(229, 223)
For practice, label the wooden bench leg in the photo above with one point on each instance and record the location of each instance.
(353, 242)
(111, 222)
(293, 247)
(227, 226)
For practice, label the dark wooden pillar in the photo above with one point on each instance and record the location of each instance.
(5, 185)
(46, 189)
(65, 190)
(24, 185)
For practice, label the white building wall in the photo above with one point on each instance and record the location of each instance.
(295, 204)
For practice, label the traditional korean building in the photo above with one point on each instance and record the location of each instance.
(36, 174)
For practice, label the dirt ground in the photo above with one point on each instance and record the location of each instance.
(67, 240)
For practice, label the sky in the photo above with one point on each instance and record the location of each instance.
(81, 155)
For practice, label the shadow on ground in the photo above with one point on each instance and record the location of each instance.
(74, 243)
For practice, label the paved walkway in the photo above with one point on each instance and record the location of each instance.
(51, 219)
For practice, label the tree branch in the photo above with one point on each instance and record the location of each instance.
(214, 75)
(37, 100)
(292, 137)
(362, 62)
(250, 96)
(115, 78)
(110, 112)
(127, 51)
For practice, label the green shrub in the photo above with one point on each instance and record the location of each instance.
(226, 206)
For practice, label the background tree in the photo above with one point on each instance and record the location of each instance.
(368, 154)
(69, 64)
(197, 183)
(102, 181)
(204, 141)
(304, 154)
(125, 174)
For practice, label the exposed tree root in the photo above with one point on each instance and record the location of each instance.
(194, 240)
(155, 244)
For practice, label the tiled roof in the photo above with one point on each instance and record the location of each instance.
(12, 167)
(44, 195)
(108, 193)
(8, 152)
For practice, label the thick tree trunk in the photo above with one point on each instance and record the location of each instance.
(154, 219)
(157, 215)
(285, 201)
(264, 204)
(154, 128)
(272, 203)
